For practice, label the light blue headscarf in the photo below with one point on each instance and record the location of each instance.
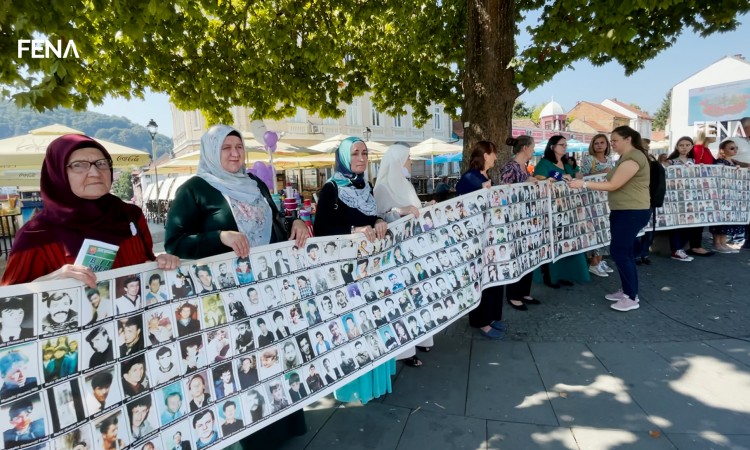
(250, 209)
(353, 189)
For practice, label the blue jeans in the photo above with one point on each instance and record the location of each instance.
(643, 243)
(624, 225)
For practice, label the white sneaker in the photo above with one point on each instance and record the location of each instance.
(615, 296)
(604, 266)
(597, 270)
(625, 304)
(680, 255)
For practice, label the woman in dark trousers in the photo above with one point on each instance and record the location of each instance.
(518, 294)
(630, 208)
(488, 314)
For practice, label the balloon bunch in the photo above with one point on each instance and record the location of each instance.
(270, 139)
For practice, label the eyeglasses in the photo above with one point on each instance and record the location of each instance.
(85, 166)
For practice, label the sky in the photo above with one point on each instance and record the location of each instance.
(646, 88)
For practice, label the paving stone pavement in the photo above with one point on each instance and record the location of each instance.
(574, 374)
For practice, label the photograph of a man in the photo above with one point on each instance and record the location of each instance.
(14, 312)
(17, 371)
(156, 291)
(247, 371)
(173, 407)
(130, 334)
(26, 424)
(204, 280)
(204, 427)
(187, 319)
(101, 348)
(199, 396)
(99, 392)
(166, 365)
(226, 279)
(232, 417)
(134, 380)
(60, 314)
(244, 340)
(130, 300)
(139, 414)
(99, 305)
(108, 429)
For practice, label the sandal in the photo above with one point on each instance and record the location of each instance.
(423, 349)
(413, 361)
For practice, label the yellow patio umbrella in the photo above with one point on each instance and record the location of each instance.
(27, 151)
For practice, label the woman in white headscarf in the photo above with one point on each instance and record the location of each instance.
(395, 197)
(225, 209)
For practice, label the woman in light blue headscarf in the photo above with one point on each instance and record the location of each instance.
(346, 205)
(223, 208)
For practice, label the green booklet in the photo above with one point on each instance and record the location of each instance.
(97, 255)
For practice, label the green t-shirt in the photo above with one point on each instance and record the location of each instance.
(634, 194)
(545, 167)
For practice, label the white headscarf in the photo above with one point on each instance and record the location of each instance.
(250, 209)
(392, 189)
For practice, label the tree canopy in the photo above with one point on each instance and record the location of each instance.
(662, 114)
(273, 56)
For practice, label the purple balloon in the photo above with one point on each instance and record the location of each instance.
(264, 172)
(270, 138)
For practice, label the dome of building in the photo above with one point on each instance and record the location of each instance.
(552, 109)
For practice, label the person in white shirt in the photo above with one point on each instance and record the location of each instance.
(131, 299)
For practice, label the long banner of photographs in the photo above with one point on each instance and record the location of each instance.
(705, 195)
(204, 355)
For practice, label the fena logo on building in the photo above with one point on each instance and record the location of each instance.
(718, 129)
(41, 48)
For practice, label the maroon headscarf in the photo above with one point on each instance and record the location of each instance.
(67, 218)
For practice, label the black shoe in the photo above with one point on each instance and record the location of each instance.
(521, 307)
(638, 261)
(531, 301)
(564, 282)
(549, 283)
(646, 260)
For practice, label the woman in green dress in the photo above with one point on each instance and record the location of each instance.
(554, 166)
(224, 209)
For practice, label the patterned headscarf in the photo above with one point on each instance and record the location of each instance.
(250, 209)
(353, 189)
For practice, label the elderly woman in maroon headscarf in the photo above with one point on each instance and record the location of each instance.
(75, 182)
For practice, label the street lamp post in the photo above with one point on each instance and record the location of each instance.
(152, 129)
(367, 132)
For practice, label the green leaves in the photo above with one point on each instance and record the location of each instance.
(274, 56)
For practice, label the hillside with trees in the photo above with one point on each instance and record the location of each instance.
(16, 121)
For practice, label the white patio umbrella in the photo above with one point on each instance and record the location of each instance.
(431, 147)
(332, 143)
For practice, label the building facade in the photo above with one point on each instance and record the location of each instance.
(304, 129)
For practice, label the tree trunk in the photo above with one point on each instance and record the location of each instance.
(488, 83)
